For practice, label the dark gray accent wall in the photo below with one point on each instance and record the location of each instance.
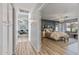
(48, 24)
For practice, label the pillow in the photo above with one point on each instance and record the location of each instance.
(49, 30)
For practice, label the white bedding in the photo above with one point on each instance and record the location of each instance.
(58, 35)
(55, 35)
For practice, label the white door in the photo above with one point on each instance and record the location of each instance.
(7, 27)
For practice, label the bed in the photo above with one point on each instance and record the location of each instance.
(59, 36)
(56, 35)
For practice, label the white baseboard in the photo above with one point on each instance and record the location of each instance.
(37, 50)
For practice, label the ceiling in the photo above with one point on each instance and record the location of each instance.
(52, 11)
(25, 6)
(56, 11)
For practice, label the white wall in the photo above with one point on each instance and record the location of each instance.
(1, 30)
(5, 29)
(35, 27)
(78, 26)
(35, 30)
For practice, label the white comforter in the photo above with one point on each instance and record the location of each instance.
(57, 35)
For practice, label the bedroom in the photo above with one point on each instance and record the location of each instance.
(54, 31)
(59, 28)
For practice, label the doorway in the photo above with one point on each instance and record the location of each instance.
(22, 32)
(55, 22)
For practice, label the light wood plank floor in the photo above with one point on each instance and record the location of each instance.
(49, 47)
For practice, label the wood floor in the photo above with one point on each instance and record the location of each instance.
(49, 47)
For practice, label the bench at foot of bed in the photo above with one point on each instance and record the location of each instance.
(64, 39)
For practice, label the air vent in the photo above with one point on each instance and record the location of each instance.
(24, 11)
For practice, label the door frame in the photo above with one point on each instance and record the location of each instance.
(15, 27)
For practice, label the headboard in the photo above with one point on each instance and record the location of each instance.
(48, 24)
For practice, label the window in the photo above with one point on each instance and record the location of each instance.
(56, 28)
(72, 27)
(68, 27)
